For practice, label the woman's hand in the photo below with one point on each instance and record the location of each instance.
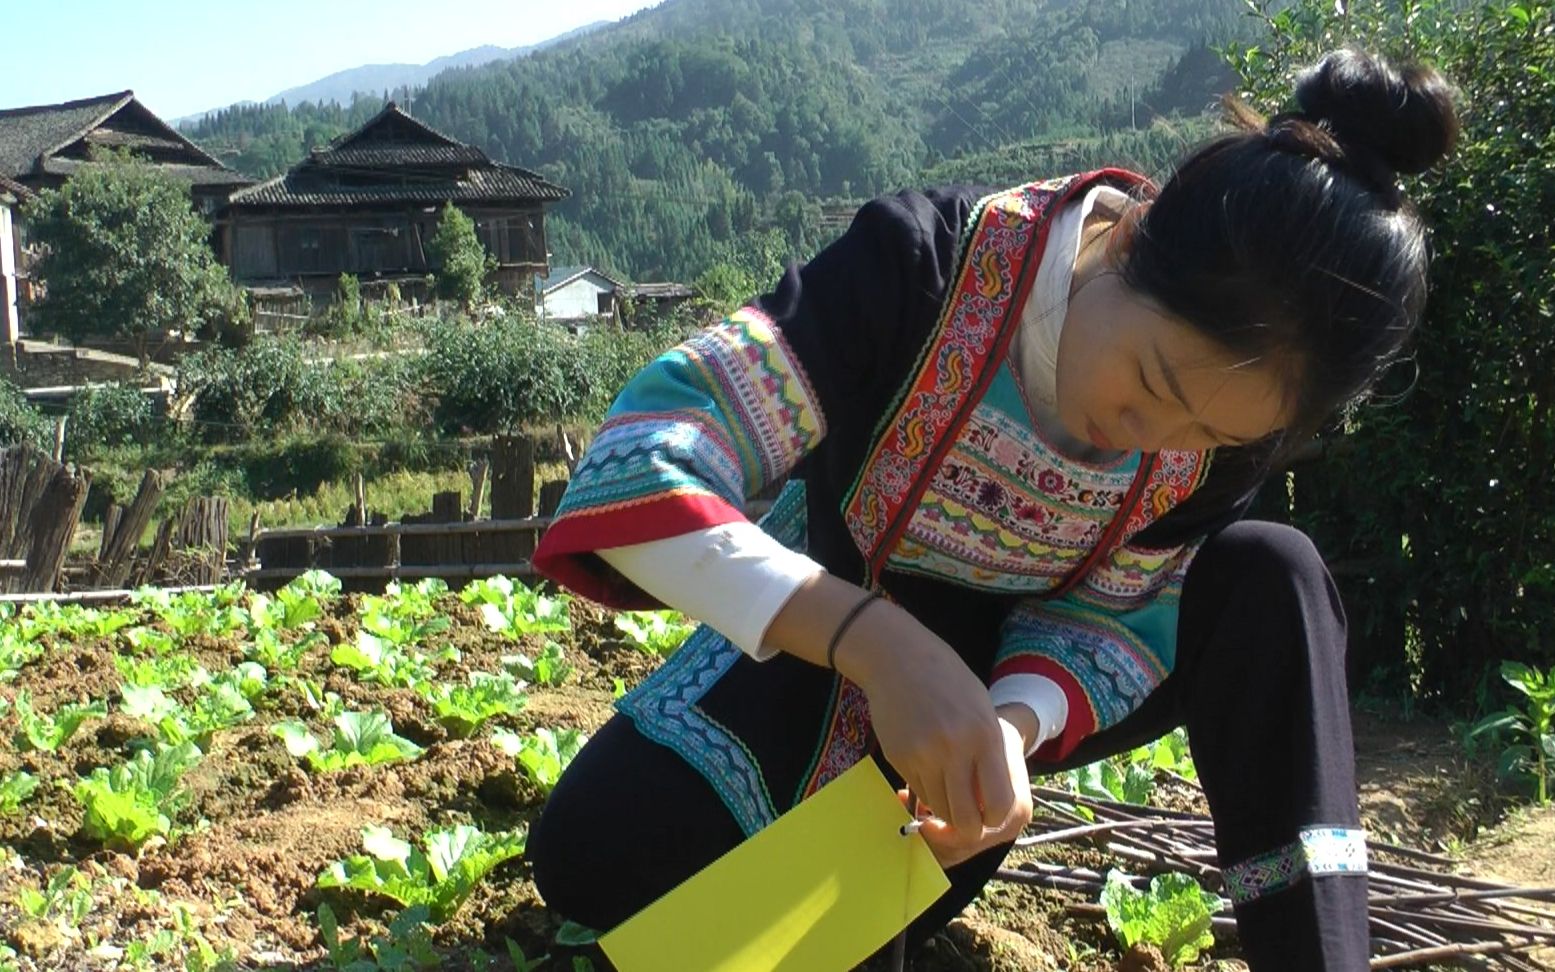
(952, 846)
(933, 717)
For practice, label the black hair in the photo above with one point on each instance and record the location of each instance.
(1291, 242)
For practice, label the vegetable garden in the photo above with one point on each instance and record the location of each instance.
(317, 779)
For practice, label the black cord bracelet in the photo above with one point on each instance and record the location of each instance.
(836, 638)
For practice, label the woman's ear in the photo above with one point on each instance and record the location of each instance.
(1120, 241)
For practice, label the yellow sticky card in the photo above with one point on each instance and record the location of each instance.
(818, 890)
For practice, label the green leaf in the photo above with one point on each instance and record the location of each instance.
(456, 860)
(1174, 915)
(573, 935)
(15, 788)
(299, 741)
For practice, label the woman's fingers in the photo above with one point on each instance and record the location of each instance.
(997, 790)
(961, 810)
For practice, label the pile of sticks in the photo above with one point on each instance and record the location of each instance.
(1421, 914)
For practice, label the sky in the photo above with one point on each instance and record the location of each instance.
(182, 57)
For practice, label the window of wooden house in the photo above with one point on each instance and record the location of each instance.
(253, 251)
(377, 248)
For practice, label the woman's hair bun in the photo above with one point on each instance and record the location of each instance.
(1403, 116)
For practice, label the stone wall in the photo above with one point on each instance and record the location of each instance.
(35, 364)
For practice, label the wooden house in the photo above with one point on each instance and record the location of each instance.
(43, 145)
(368, 203)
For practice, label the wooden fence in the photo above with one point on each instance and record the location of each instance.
(40, 505)
(40, 509)
(449, 541)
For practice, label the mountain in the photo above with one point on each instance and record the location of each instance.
(691, 131)
(341, 86)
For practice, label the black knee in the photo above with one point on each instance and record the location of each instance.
(1272, 565)
(558, 849)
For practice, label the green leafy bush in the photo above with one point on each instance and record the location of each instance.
(1527, 732)
(1174, 915)
(20, 423)
(135, 801)
(107, 416)
(441, 877)
(299, 465)
(360, 739)
(1442, 501)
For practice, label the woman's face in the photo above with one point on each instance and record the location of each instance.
(1132, 376)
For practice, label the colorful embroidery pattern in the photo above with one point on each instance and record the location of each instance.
(1115, 667)
(1316, 851)
(973, 330)
(665, 706)
(1006, 512)
(664, 709)
(846, 741)
(726, 412)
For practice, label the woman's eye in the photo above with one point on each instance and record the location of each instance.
(1143, 380)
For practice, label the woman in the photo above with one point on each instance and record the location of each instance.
(1018, 431)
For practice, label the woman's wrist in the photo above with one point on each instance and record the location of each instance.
(1024, 721)
(879, 634)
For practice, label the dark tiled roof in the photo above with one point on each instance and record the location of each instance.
(113, 138)
(561, 276)
(379, 156)
(26, 133)
(311, 186)
(15, 190)
(393, 118)
(29, 137)
(660, 290)
(195, 175)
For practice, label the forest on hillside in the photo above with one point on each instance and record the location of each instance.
(684, 129)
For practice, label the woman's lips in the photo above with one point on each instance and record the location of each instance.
(1097, 438)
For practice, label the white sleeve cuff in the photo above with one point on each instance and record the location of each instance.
(734, 578)
(1042, 696)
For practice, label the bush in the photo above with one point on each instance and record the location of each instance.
(20, 423)
(107, 416)
(238, 393)
(298, 466)
(512, 371)
(1446, 497)
(498, 375)
(460, 261)
(272, 387)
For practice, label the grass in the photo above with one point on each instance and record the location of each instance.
(394, 494)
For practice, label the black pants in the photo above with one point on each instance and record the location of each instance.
(1259, 683)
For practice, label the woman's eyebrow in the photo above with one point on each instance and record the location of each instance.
(1172, 384)
(1175, 388)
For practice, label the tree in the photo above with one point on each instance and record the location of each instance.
(125, 255)
(1445, 495)
(460, 262)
